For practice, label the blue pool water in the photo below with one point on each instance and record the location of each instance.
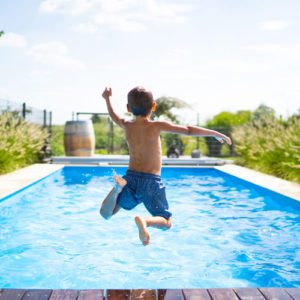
(226, 233)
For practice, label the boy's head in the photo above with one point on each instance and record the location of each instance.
(140, 101)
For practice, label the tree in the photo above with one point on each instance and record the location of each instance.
(1, 33)
(164, 106)
(263, 111)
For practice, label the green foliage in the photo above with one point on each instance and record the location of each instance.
(269, 146)
(164, 106)
(21, 142)
(57, 141)
(263, 111)
(1, 33)
(224, 122)
(228, 119)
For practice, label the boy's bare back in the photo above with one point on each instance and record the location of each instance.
(143, 138)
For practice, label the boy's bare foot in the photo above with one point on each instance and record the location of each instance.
(144, 234)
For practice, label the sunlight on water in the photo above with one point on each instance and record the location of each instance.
(226, 232)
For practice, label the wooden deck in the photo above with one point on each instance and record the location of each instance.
(185, 294)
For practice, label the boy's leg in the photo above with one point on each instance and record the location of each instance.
(109, 206)
(143, 223)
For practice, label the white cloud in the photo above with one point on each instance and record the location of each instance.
(55, 54)
(284, 50)
(285, 55)
(241, 66)
(122, 23)
(124, 15)
(86, 28)
(12, 40)
(273, 25)
(67, 6)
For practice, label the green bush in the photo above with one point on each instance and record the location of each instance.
(270, 146)
(20, 143)
(224, 122)
(57, 140)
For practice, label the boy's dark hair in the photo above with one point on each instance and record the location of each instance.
(140, 101)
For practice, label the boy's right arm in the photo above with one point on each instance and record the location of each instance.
(115, 117)
(193, 131)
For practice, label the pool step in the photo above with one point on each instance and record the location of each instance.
(160, 294)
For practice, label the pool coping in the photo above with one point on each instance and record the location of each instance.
(13, 182)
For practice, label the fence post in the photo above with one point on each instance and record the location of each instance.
(24, 110)
(50, 123)
(45, 118)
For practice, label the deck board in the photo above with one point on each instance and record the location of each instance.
(249, 294)
(196, 294)
(294, 293)
(223, 294)
(37, 294)
(275, 294)
(118, 295)
(64, 295)
(91, 295)
(173, 294)
(12, 294)
(144, 294)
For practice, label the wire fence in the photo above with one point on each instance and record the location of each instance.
(29, 113)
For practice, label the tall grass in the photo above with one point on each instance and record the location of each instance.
(270, 146)
(20, 142)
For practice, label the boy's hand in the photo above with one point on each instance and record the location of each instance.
(223, 138)
(107, 93)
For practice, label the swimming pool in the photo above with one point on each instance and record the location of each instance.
(226, 232)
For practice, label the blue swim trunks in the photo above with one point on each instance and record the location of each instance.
(146, 188)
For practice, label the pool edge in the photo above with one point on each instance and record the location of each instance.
(21, 179)
(275, 184)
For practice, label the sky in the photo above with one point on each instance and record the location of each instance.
(216, 55)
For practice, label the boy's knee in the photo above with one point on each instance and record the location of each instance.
(104, 214)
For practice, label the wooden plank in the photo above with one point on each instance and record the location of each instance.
(294, 293)
(275, 294)
(173, 294)
(222, 294)
(37, 295)
(64, 294)
(90, 295)
(118, 294)
(249, 294)
(144, 294)
(196, 294)
(11, 294)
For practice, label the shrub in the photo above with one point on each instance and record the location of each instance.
(224, 122)
(271, 146)
(20, 143)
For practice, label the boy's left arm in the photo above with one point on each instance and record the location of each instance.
(194, 131)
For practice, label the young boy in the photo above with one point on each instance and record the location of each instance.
(142, 182)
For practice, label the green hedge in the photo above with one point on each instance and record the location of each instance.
(270, 146)
(20, 142)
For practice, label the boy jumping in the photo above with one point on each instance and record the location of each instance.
(142, 182)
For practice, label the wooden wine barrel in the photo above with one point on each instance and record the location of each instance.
(79, 138)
